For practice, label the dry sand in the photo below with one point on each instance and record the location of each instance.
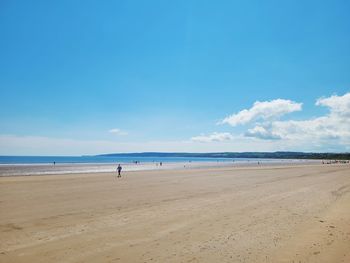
(266, 214)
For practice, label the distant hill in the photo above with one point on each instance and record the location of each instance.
(272, 155)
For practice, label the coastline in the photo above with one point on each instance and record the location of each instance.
(25, 169)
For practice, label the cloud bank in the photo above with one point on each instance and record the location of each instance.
(332, 128)
(263, 126)
(265, 110)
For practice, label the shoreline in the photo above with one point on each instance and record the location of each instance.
(76, 168)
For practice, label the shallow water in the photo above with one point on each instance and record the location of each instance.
(17, 169)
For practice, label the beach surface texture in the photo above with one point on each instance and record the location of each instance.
(289, 213)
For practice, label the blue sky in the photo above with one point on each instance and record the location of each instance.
(167, 72)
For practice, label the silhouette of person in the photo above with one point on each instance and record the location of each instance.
(119, 169)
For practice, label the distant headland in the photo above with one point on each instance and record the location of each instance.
(270, 155)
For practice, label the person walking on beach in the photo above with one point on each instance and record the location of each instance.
(119, 169)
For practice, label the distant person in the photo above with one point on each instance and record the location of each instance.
(160, 163)
(119, 169)
(54, 163)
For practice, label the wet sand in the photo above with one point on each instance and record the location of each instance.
(240, 214)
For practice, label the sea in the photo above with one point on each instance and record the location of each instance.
(102, 159)
(48, 165)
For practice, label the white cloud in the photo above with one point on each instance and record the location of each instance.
(117, 131)
(330, 129)
(338, 105)
(265, 110)
(262, 133)
(214, 137)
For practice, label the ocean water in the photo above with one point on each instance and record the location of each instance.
(102, 159)
(46, 165)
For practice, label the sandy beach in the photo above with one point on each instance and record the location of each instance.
(297, 213)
